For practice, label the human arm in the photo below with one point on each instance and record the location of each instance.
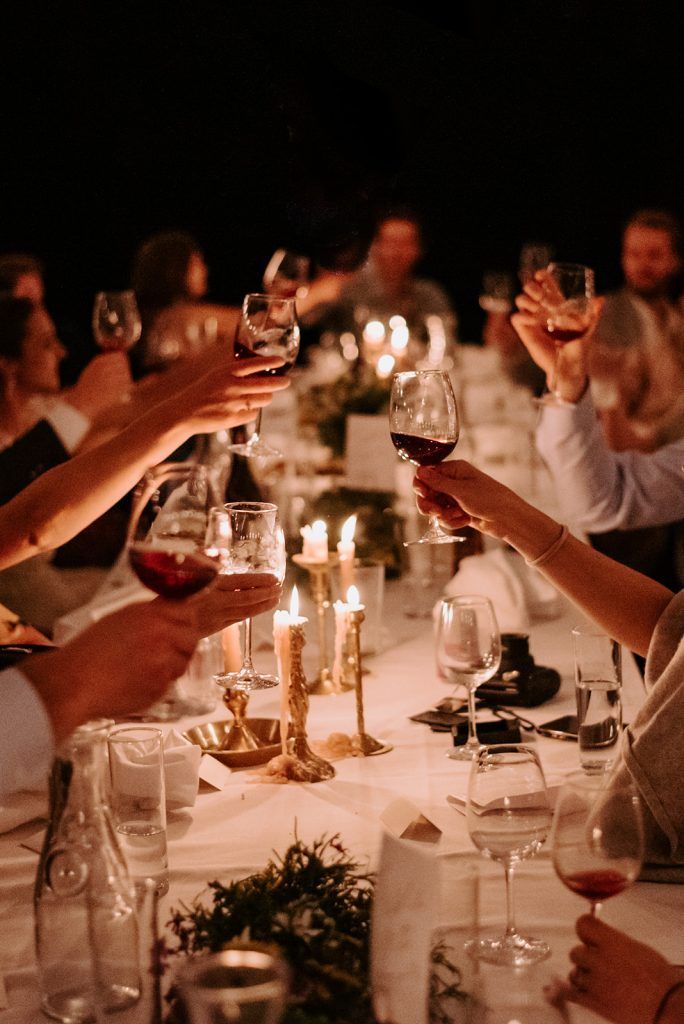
(624, 603)
(67, 498)
(621, 979)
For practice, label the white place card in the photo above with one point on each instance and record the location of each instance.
(402, 925)
(406, 821)
(213, 772)
(371, 458)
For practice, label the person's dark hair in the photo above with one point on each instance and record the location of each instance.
(658, 220)
(14, 265)
(14, 316)
(160, 267)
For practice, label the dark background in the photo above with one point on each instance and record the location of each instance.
(263, 124)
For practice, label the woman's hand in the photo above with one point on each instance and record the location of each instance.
(235, 597)
(616, 976)
(229, 395)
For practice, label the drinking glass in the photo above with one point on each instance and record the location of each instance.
(253, 543)
(235, 986)
(509, 816)
(287, 274)
(598, 686)
(597, 838)
(268, 327)
(116, 321)
(565, 311)
(468, 653)
(424, 428)
(167, 546)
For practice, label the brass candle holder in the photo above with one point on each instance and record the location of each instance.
(365, 744)
(319, 585)
(307, 766)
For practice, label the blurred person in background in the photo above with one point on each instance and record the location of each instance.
(170, 279)
(21, 275)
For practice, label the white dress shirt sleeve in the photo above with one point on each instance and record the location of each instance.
(26, 739)
(599, 489)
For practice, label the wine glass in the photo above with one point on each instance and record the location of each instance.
(566, 310)
(509, 816)
(468, 653)
(253, 543)
(116, 321)
(268, 327)
(424, 428)
(167, 530)
(597, 838)
(287, 274)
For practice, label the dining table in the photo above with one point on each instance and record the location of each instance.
(233, 831)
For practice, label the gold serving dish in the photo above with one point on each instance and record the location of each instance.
(221, 741)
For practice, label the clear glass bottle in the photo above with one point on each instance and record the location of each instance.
(85, 919)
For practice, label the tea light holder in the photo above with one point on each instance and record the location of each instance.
(319, 586)
(366, 745)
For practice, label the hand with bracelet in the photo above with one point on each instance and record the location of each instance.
(621, 979)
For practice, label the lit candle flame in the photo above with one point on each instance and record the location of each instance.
(353, 596)
(318, 528)
(348, 529)
(294, 604)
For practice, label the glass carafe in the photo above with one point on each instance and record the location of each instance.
(85, 920)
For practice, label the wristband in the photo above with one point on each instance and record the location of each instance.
(662, 1005)
(551, 550)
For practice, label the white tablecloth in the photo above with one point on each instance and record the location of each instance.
(231, 833)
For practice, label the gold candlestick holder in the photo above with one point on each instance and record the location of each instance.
(365, 744)
(308, 767)
(319, 585)
(239, 737)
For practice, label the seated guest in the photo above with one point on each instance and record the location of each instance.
(638, 612)
(21, 275)
(629, 502)
(170, 279)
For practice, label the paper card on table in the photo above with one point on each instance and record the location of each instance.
(371, 458)
(213, 772)
(402, 924)
(518, 801)
(406, 821)
(34, 841)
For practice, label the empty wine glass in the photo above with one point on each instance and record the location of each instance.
(116, 321)
(468, 653)
(254, 543)
(167, 530)
(287, 274)
(268, 327)
(509, 816)
(424, 428)
(566, 310)
(597, 839)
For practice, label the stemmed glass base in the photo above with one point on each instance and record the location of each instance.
(510, 950)
(435, 535)
(246, 679)
(255, 449)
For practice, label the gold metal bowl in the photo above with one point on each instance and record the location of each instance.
(211, 736)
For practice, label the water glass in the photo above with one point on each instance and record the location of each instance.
(138, 802)
(598, 684)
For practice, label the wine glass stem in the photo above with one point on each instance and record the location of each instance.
(473, 742)
(553, 383)
(595, 908)
(510, 914)
(247, 647)
(257, 429)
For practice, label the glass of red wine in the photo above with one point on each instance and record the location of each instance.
(167, 534)
(251, 541)
(566, 310)
(268, 327)
(116, 321)
(424, 429)
(597, 838)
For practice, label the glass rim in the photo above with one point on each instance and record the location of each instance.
(118, 735)
(268, 298)
(456, 599)
(593, 632)
(420, 373)
(248, 506)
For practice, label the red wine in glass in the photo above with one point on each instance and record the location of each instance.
(172, 574)
(421, 451)
(562, 335)
(597, 885)
(241, 351)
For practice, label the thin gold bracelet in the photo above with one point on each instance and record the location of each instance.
(551, 550)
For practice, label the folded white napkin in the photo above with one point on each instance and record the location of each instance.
(518, 593)
(136, 771)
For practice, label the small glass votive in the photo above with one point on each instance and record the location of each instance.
(235, 986)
